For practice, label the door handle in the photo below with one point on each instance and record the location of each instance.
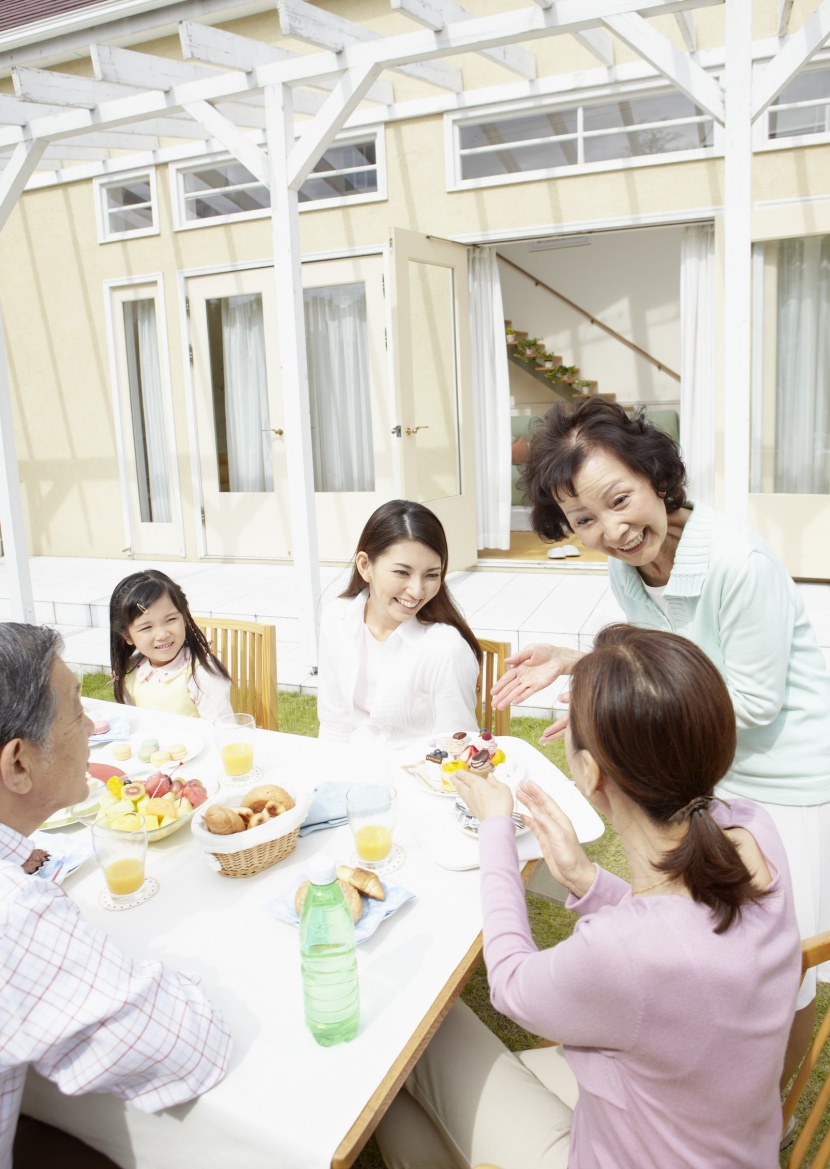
(415, 429)
(273, 430)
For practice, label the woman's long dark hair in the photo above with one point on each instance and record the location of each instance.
(567, 437)
(132, 597)
(655, 714)
(397, 520)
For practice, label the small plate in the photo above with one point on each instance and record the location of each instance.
(430, 776)
(469, 825)
(193, 743)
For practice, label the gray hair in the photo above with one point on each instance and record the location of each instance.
(28, 702)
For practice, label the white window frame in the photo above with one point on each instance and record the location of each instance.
(378, 196)
(178, 170)
(762, 142)
(453, 122)
(102, 217)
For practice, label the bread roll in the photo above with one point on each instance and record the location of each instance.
(258, 797)
(349, 892)
(364, 881)
(223, 821)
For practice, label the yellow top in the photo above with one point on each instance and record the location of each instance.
(170, 695)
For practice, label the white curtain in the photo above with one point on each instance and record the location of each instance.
(340, 389)
(246, 395)
(697, 359)
(491, 400)
(147, 411)
(802, 401)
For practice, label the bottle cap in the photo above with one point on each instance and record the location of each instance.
(322, 871)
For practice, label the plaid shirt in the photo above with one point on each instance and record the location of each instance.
(84, 1014)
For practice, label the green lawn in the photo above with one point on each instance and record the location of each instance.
(549, 923)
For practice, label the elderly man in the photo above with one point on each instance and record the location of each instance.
(74, 1006)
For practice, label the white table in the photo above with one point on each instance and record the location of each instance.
(286, 1102)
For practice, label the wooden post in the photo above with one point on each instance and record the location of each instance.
(11, 505)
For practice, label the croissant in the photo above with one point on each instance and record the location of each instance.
(363, 881)
(258, 797)
(223, 821)
(349, 892)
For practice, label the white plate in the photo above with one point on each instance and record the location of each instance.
(193, 743)
(429, 776)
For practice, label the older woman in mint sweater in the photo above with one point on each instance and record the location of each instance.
(618, 483)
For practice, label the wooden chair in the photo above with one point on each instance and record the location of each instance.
(813, 951)
(248, 651)
(492, 668)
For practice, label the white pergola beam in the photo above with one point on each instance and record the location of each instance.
(304, 22)
(215, 46)
(229, 134)
(343, 99)
(11, 503)
(686, 24)
(785, 8)
(65, 89)
(111, 140)
(290, 313)
(791, 58)
(684, 73)
(142, 70)
(14, 112)
(435, 14)
(598, 42)
(16, 174)
(523, 24)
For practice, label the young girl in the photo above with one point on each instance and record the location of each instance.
(398, 662)
(159, 655)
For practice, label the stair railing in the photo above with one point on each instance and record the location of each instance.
(594, 320)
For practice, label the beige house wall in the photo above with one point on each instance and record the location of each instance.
(53, 270)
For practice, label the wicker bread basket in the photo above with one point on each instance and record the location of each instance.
(242, 854)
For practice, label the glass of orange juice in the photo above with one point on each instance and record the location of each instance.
(121, 853)
(235, 740)
(371, 811)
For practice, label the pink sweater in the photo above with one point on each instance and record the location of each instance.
(675, 1034)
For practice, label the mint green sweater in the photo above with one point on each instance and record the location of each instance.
(729, 594)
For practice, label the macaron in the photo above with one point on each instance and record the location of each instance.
(159, 757)
(177, 751)
(101, 727)
(121, 751)
(147, 748)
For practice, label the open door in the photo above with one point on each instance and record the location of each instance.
(433, 395)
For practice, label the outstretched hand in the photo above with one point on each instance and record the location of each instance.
(564, 855)
(531, 669)
(483, 794)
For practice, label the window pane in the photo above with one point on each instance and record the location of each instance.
(351, 154)
(146, 411)
(133, 219)
(806, 87)
(340, 388)
(228, 203)
(789, 123)
(520, 129)
(236, 340)
(337, 186)
(123, 195)
(656, 140)
(660, 108)
(539, 156)
(791, 389)
(229, 174)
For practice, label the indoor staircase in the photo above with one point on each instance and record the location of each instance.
(529, 354)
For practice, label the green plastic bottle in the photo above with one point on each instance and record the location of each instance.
(329, 962)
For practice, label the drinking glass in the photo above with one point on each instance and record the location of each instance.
(121, 854)
(235, 740)
(371, 811)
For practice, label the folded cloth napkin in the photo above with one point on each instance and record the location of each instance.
(374, 912)
(328, 808)
(119, 728)
(66, 853)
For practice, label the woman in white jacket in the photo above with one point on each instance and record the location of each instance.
(398, 662)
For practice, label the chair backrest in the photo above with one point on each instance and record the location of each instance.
(813, 951)
(248, 651)
(492, 668)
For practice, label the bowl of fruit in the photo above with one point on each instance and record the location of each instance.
(166, 804)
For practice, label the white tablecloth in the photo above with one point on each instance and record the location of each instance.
(286, 1102)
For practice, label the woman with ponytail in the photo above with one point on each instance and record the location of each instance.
(673, 997)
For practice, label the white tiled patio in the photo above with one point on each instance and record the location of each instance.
(516, 605)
